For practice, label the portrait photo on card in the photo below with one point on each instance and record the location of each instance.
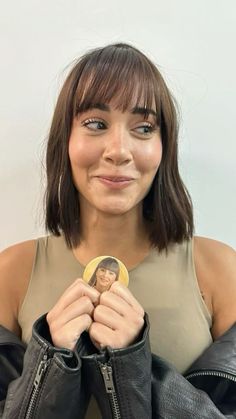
(103, 271)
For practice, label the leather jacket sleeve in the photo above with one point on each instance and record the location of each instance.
(208, 389)
(215, 372)
(11, 360)
(173, 397)
(49, 385)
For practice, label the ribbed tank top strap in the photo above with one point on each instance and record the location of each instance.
(195, 285)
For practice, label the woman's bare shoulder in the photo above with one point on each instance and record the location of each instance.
(216, 271)
(212, 246)
(16, 264)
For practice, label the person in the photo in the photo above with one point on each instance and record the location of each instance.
(165, 346)
(106, 272)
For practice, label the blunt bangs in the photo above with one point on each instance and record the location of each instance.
(123, 76)
(109, 263)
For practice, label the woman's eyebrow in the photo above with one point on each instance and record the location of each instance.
(101, 106)
(143, 111)
(90, 106)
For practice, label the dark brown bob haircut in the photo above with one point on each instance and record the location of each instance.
(122, 74)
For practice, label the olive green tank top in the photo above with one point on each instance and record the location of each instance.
(164, 284)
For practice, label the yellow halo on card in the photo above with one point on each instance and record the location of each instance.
(102, 271)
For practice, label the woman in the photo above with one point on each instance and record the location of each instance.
(114, 188)
(106, 272)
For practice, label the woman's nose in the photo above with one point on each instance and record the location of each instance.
(117, 147)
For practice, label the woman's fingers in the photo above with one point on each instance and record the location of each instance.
(67, 336)
(81, 306)
(118, 319)
(123, 292)
(103, 336)
(72, 314)
(114, 318)
(107, 316)
(78, 289)
(120, 299)
(120, 336)
(119, 309)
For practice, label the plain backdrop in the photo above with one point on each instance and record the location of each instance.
(193, 44)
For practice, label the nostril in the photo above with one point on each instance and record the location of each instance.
(117, 155)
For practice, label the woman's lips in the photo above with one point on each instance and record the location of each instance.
(115, 182)
(104, 280)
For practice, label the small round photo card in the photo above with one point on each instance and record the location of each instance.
(102, 271)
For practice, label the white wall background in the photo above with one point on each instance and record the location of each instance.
(193, 42)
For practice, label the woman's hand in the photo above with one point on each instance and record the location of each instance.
(118, 319)
(72, 314)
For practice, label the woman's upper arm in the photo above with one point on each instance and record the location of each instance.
(216, 272)
(15, 269)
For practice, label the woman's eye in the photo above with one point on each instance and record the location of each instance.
(144, 129)
(94, 124)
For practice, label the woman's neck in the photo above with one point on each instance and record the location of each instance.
(124, 237)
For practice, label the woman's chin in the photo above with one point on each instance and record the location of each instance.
(115, 210)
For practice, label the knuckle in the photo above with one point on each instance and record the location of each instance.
(139, 321)
(58, 339)
(104, 297)
(53, 328)
(85, 300)
(116, 285)
(141, 311)
(91, 329)
(76, 282)
(87, 319)
(86, 306)
(80, 286)
(50, 317)
(97, 312)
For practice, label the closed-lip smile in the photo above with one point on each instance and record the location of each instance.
(115, 178)
(115, 182)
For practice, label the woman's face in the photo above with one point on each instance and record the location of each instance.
(114, 157)
(104, 278)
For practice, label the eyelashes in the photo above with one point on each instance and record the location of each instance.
(144, 129)
(94, 124)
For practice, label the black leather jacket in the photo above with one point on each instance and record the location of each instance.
(45, 382)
